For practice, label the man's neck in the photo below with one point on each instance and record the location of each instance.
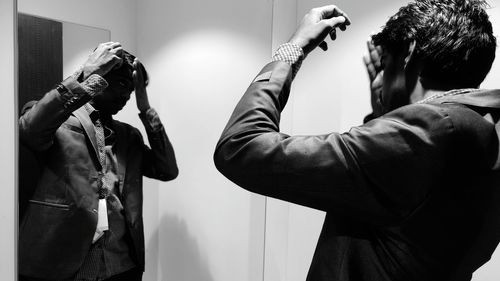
(419, 92)
(106, 118)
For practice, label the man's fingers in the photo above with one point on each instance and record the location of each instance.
(109, 45)
(117, 61)
(136, 69)
(378, 81)
(375, 53)
(333, 34)
(105, 44)
(112, 47)
(135, 78)
(318, 24)
(137, 74)
(332, 11)
(370, 45)
(375, 57)
(335, 21)
(115, 44)
(136, 63)
(372, 72)
(370, 68)
(323, 45)
(118, 51)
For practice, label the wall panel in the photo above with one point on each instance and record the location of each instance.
(8, 163)
(201, 56)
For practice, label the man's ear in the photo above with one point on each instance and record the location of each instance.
(410, 55)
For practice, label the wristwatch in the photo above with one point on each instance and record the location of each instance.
(63, 91)
(69, 97)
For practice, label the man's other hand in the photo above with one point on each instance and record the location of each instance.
(104, 58)
(141, 95)
(375, 68)
(316, 25)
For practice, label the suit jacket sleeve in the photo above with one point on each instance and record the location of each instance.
(159, 160)
(368, 172)
(40, 119)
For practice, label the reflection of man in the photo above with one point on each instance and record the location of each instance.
(409, 194)
(84, 221)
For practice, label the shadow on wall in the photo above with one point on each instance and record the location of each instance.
(179, 253)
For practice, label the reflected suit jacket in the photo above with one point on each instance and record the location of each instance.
(57, 229)
(412, 195)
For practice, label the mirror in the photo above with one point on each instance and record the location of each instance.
(199, 226)
(49, 51)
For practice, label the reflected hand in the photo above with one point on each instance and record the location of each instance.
(316, 25)
(141, 94)
(104, 58)
(375, 69)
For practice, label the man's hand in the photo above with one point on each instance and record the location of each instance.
(141, 95)
(316, 25)
(104, 58)
(375, 69)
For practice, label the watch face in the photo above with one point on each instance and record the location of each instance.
(61, 89)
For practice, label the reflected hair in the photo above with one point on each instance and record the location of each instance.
(454, 39)
(127, 67)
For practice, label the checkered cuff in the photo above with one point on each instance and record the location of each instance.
(291, 54)
(94, 85)
(76, 91)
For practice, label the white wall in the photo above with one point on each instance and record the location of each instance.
(8, 210)
(331, 93)
(491, 270)
(278, 212)
(201, 56)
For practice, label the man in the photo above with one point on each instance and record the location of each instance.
(84, 221)
(410, 194)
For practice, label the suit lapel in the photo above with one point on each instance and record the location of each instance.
(84, 118)
(121, 151)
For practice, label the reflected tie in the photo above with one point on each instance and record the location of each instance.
(101, 142)
(102, 220)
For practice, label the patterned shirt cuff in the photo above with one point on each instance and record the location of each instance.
(94, 85)
(291, 54)
(151, 120)
(75, 92)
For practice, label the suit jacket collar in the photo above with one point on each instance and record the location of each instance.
(478, 98)
(83, 116)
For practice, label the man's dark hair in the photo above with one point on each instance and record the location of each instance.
(454, 40)
(127, 67)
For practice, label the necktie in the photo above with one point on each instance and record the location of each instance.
(103, 190)
(102, 220)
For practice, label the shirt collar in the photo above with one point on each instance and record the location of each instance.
(93, 113)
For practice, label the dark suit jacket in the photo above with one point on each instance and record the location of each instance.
(408, 196)
(57, 230)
